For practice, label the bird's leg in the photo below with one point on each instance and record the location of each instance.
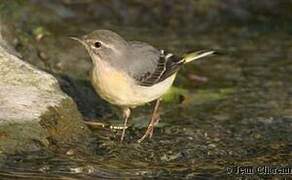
(157, 118)
(126, 115)
(154, 120)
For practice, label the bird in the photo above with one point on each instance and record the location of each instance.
(132, 73)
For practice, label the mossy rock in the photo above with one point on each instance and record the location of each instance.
(34, 112)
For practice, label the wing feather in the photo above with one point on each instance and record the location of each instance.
(167, 65)
(149, 66)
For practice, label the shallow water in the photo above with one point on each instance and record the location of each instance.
(240, 117)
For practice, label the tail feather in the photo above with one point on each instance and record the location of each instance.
(197, 55)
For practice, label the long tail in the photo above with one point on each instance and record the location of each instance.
(197, 55)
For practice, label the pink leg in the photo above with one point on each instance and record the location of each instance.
(154, 120)
(126, 115)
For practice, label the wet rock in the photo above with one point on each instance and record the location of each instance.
(34, 112)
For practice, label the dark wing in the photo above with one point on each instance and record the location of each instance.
(167, 64)
(149, 66)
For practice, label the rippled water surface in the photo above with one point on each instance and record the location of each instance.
(239, 112)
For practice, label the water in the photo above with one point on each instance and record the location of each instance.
(240, 117)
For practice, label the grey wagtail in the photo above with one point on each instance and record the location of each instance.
(132, 73)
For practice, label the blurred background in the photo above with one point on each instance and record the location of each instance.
(230, 110)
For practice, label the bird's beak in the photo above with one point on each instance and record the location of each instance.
(79, 40)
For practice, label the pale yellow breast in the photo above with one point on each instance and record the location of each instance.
(118, 88)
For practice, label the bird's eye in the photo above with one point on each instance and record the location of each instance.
(97, 44)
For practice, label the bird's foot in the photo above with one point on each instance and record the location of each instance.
(150, 129)
(113, 127)
(147, 133)
(93, 124)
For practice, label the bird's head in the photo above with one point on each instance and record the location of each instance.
(103, 45)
